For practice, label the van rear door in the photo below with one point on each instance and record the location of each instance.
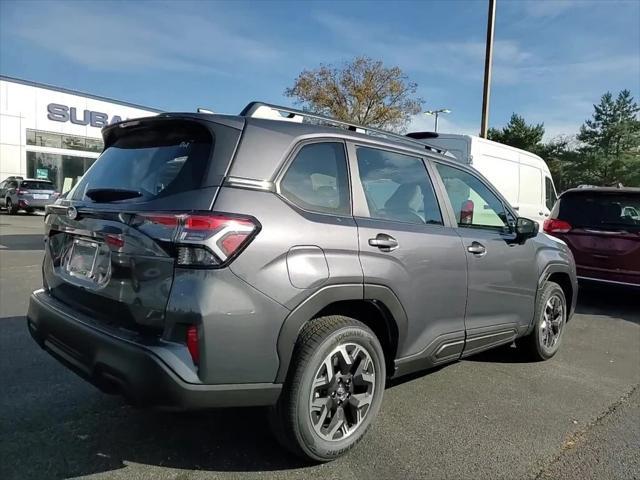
(530, 196)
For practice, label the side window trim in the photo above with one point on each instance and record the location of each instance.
(288, 161)
(448, 215)
(552, 194)
(507, 209)
(359, 200)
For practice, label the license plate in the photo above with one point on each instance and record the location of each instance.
(82, 261)
(40, 196)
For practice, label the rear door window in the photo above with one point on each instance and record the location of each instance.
(156, 160)
(600, 211)
(397, 187)
(317, 179)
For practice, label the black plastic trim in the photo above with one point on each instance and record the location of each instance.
(324, 297)
(119, 365)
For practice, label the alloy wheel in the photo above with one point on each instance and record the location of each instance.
(553, 321)
(342, 391)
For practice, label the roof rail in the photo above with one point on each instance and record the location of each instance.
(261, 109)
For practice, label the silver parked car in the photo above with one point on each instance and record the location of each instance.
(28, 194)
(293, 261)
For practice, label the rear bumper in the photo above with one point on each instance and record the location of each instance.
(142, 373)
(31, 203)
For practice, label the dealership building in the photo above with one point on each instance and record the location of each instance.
(54, 133)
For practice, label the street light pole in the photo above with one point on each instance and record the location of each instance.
(488, 60)
(436, 113)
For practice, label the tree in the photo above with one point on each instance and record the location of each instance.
(519, 134)
(610, 151)
(362, 91)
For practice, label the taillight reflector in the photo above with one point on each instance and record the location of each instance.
(203, 240)
(553, 225)
(192, 343)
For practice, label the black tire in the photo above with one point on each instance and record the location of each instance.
(291, 419)
(11, 208)
(534, 345)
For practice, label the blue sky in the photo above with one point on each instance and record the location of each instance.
(553, 58)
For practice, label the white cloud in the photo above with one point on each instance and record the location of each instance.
(462, 59)
(105, 39)
(548, 8)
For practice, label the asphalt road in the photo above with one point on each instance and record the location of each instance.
(490, 416)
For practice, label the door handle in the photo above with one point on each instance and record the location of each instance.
(477, 249)
(384, 242)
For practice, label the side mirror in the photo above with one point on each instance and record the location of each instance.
(525, 229)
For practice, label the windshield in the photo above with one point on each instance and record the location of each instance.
(601, 211)
(155, 160)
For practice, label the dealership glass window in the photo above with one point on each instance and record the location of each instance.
(94, 145)
(63, 170)
(44, 139)
(69, 142)
(73, 142)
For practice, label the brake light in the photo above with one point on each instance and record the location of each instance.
(466, 212)
(202, 240)
(21, 192)
(553, 225)
(192, 343)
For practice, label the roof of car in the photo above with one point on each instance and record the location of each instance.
(296, 129)
(605, 190)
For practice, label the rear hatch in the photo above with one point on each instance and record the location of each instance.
(602, 228)
(36, 193)
(110, 243)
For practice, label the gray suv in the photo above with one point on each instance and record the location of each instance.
(293, 261)
(28, 194)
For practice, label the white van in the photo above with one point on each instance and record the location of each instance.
(522, 177)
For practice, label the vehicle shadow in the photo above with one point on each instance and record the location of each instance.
(55, 425)
(107, 435)
(231, 440)
(613, 301)
(22, 242)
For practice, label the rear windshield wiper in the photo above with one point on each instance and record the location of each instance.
(102, 195)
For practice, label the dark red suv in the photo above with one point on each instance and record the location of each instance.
(601, 225)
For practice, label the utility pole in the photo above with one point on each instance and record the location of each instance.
(488, 60)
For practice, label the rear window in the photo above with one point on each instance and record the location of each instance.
(605, 211)
(37, 185)
(156, 160)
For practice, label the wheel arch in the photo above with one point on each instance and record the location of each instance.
(374, 305)
(562, 275)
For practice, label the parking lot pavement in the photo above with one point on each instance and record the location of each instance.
(490, 416)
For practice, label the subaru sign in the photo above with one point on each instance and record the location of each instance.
(63, 113)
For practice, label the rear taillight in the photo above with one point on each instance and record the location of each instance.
(201, 240)
(21, 192)
(553, 225)
(192, 343)
(466, 213)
